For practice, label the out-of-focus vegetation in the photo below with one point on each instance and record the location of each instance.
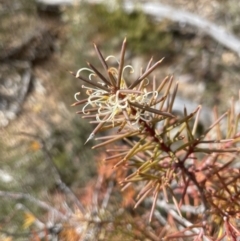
(54, 40)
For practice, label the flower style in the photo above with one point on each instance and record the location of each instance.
(110, 99)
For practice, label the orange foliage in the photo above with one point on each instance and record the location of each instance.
(69, 234)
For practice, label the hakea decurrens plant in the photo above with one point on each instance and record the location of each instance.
(164, 153)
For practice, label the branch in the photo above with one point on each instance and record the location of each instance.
(160, 11)
(28, 197)
(61, 185)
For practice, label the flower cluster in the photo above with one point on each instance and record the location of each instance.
(114, 104)
(113, 101)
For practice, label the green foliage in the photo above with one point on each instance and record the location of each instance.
(143, 35)
(68, 158)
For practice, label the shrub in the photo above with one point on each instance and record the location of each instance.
(192, 179)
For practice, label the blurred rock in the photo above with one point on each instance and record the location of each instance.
(14, 84)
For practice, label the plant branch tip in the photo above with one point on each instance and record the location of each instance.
(72, 73)
(154, 147)
(89, 138)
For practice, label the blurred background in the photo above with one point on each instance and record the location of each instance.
(41, 41)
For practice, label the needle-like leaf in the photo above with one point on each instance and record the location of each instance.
(120, 67)
(148, 71)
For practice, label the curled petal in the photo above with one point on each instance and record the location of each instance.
(113, 71)
(113, 57)
(129, 66)
(80, 70)
(90, 76)
(146, 97)
(75, 96)
(84, 107)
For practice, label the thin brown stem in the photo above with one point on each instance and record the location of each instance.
(148, 71)
(120, 67)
